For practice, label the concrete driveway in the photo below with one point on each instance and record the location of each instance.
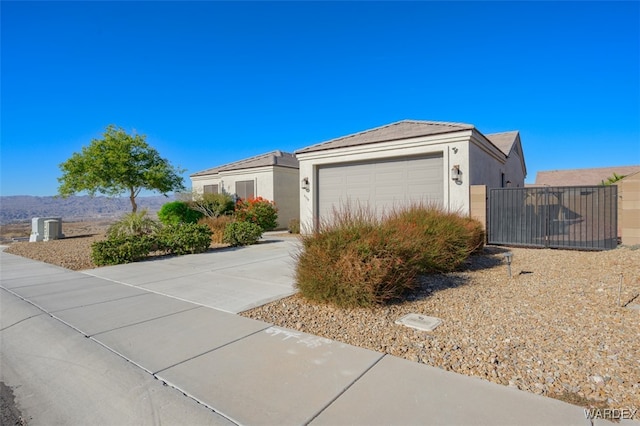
(231, 280)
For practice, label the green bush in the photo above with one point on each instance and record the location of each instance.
(294, 226)
(184, 238)
(259, 211)
(117, 250)
(133, 224)
(178, 212)
(357, 259)
(242, 233)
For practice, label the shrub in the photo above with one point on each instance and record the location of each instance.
(242, 233)
(359, 260)
(439, 241)
(133, 224)
(351, 262)
(213, 205)
(178, 212)
(217, 226)
(259, 211)
(184, 238)
(125, 249)
(294, 226)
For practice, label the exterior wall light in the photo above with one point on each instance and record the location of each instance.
(456, 174)
(305, 184)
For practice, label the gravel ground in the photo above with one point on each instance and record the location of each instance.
(555, 328)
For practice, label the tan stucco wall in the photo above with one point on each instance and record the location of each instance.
(478, 203)
(629, 209)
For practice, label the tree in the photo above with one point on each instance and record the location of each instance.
(116, 164)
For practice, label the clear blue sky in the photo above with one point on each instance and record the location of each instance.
(214, 82)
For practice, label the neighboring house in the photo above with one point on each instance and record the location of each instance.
(273, 176)
(404, 162)
(582, 177)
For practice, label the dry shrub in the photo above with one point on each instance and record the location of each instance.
(356, 259)
(440, 240)
(217, 226)
(349, 262)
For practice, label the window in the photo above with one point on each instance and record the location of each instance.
(502, 182)
(244, 189)
(211, 189)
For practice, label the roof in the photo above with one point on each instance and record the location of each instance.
(577, 177)
(504, 141)
(394, 131)
(274, 158)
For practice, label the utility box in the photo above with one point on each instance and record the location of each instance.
(38, 229)
(51, 229)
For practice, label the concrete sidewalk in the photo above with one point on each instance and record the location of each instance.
(81, 348)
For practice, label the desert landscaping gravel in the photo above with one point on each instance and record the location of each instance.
(556, 328)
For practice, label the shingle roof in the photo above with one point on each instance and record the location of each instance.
(504, 141)
(394, 131)
(274, 158)
(577, 177)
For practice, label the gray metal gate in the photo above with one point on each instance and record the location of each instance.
(577, 217)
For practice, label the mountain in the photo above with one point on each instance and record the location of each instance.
(20, 208)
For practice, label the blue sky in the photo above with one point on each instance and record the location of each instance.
(214, 82)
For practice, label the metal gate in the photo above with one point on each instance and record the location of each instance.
(577, 217)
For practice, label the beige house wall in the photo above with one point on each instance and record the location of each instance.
(478, 204)
(629, 209)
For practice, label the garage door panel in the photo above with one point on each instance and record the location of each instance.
(381, 185)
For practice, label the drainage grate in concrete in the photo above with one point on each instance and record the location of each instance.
(420, 322)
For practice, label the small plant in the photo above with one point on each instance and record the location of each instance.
(178, 212)
(294, 226)
(184, 238)
(259, 211)
(242, 233)
(217, 226)
(213, 205)
(133, 224)
(118, 250)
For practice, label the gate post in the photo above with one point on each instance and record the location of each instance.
(478, 205)
(629, 209)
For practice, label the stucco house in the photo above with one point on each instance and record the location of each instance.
(273, 176)
(404, 162)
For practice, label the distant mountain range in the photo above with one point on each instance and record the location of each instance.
(20, 208)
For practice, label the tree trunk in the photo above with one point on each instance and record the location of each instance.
(132, 198)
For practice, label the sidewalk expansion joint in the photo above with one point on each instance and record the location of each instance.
(214, 349)
(345, 389)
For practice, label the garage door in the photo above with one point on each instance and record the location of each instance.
(380, 185)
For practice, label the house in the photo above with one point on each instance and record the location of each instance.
(582, 177)
(404, 162)
(273, 176)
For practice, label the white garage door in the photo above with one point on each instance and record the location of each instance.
(380, 185)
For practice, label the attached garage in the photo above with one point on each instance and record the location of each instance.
(380, 185)
(403, 163)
